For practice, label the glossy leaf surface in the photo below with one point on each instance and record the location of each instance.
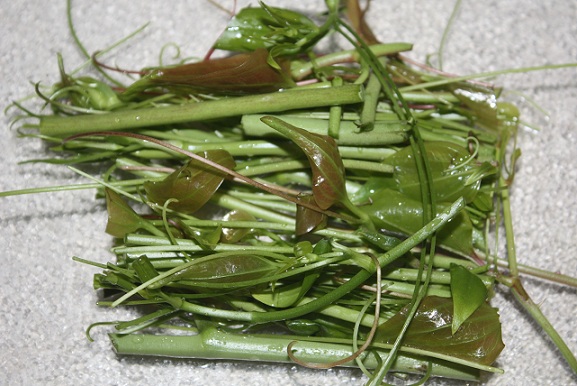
(264, 27)
(192, 184)
(308, 220)
(227, 269)
(234, 235)
(237, 74)
(323, 154)
(282, 296)
(478, 340)
(396, 212)
(206, 238)
(450, 172)
(468, 293)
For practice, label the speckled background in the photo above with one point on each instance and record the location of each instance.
(46, 299)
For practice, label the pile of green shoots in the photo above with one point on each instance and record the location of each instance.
(288, 204)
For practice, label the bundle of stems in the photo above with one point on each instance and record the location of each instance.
(290, 205)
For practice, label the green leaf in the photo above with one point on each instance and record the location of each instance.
(122, 219)
(192, 184)
(396, 212)
(453, 176)
(227, 269)
(468, 292)
(478, 340)
(265, 27)
(283, 296)
(327, 167)
(234, 235)
(206, 238)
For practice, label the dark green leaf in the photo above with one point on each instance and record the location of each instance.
(478, 340)
(396, 212)
(323, 154)
(303, 327)
(451, 177)
(192, 184)
(227, 269)
(206, 238)
(468, 292)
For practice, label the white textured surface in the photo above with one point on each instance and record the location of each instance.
(46, 299)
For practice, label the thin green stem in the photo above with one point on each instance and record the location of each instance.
(533, 309)
(490, 74)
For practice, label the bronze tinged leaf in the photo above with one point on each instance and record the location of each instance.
(192, 184)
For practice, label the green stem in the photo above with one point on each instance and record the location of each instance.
(61, 188)
(491, 74)
(301, 70)
(213, 343)
(533, 309)
(60, 126)
(387, 132)
(333, 296)
(508, 223)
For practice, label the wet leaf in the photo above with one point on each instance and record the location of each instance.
(325, 160)
(192, 184)
(396, 212)
(308, 220)
(234, 235)
(478, 340)
(451, 177)
(468, 293)
(237, 74)
(206, 238)
(227, 269)
(265, 27)
(122, 219)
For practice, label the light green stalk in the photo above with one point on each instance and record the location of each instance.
(60, 126)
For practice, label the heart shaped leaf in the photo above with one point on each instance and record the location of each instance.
(396, 212)
(478, 340)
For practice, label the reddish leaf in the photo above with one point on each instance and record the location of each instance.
(308, 220)
(234, 235)
(323, 154)
(478, 340)
(192, 185)
(238, 74)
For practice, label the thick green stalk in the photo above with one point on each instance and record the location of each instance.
(388, 132)
(60, 126)
(212, 343)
